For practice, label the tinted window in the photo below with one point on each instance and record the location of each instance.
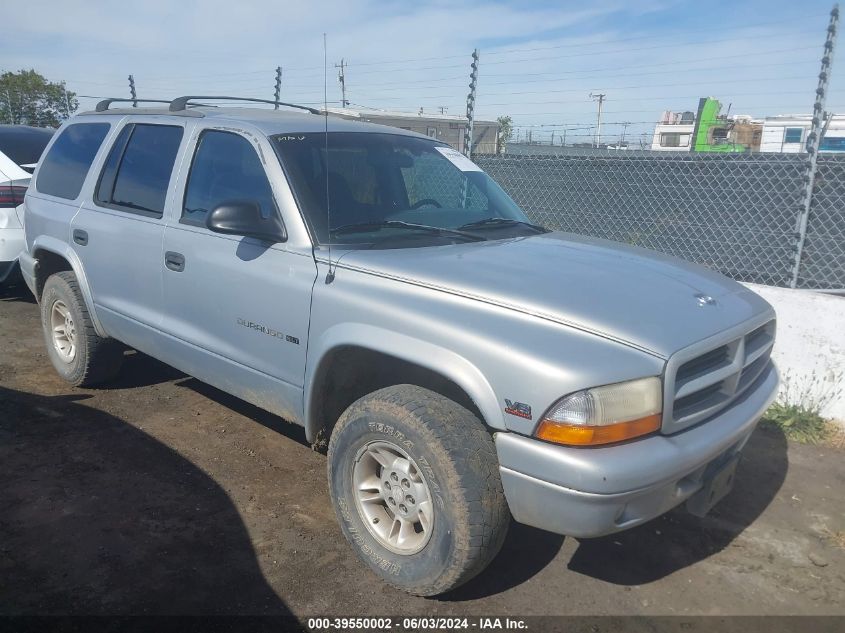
(138, 168)
(833, 144)
(670, 139)
(66, 164)
(793, 135)
(225, 167)
(24, 145)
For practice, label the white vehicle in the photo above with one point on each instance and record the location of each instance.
(20, 148)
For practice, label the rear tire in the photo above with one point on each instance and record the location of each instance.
(78, 353)
(443, 459)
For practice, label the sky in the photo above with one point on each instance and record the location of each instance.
(539, 60)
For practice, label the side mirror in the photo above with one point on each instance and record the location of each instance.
(243, 217)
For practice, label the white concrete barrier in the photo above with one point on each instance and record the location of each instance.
(810, 347)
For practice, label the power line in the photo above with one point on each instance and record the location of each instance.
(671, 63)
(652, 98)
(799, 18)
(744, 80)
(393, 85)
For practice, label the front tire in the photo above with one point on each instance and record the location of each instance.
(415, 484)
(78, 353)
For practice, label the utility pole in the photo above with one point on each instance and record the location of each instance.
(818, 126)
(341, 77)
(278, 92)
(599, 98)
(473, 79)
(132, 91)
(625, 125)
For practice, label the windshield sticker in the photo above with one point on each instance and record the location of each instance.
(457, 159)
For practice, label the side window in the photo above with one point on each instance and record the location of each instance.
(793, 135)
(65, 166)
(225, 167)
(138, 168)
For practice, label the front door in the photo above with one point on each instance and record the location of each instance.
(237, 307)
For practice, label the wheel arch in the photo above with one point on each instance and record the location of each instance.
(353, 360)
(53, 256)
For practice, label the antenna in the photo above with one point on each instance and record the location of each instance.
(330, 273)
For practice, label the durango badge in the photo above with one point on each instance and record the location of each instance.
(519, 409)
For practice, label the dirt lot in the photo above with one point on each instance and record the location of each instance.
(160, 494)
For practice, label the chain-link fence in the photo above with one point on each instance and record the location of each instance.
(735, 213)
(823, 259)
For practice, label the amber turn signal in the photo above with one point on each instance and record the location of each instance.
(584, 435)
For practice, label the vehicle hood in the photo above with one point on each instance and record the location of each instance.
(636, 296)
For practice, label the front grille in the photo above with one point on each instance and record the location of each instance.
(710, 379)
(703, 364)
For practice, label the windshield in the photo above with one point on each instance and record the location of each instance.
(389, 187)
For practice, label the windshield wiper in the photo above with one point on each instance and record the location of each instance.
(363, 227)
(502, 222)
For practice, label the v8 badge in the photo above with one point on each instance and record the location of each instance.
(519, 409)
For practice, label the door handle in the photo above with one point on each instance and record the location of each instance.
(174, 261)
(80, 237)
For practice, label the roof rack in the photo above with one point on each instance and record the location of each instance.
(181, 103)
(103, 105)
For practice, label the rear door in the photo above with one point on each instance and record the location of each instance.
(239, 305)
(119, 228)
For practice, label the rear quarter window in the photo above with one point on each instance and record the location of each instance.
(66, 164)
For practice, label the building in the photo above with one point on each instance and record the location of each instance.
(707, 130)
(788, 134)
(673, 132)
(448, 128)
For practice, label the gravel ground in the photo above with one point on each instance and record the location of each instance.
(161, 495)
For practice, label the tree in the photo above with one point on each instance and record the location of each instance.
(505, 132)
(27, 98)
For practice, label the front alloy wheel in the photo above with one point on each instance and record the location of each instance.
(392, 497)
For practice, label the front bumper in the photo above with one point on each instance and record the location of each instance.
(588, 492)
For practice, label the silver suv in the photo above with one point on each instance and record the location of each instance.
(461, 365)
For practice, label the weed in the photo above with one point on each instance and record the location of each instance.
(797, 411)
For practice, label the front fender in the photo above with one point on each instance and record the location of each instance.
(433, 357)
(62, 249)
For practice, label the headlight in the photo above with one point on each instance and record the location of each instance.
(602, 415)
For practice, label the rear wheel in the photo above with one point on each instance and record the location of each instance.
(78, 353)
(415, 484)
